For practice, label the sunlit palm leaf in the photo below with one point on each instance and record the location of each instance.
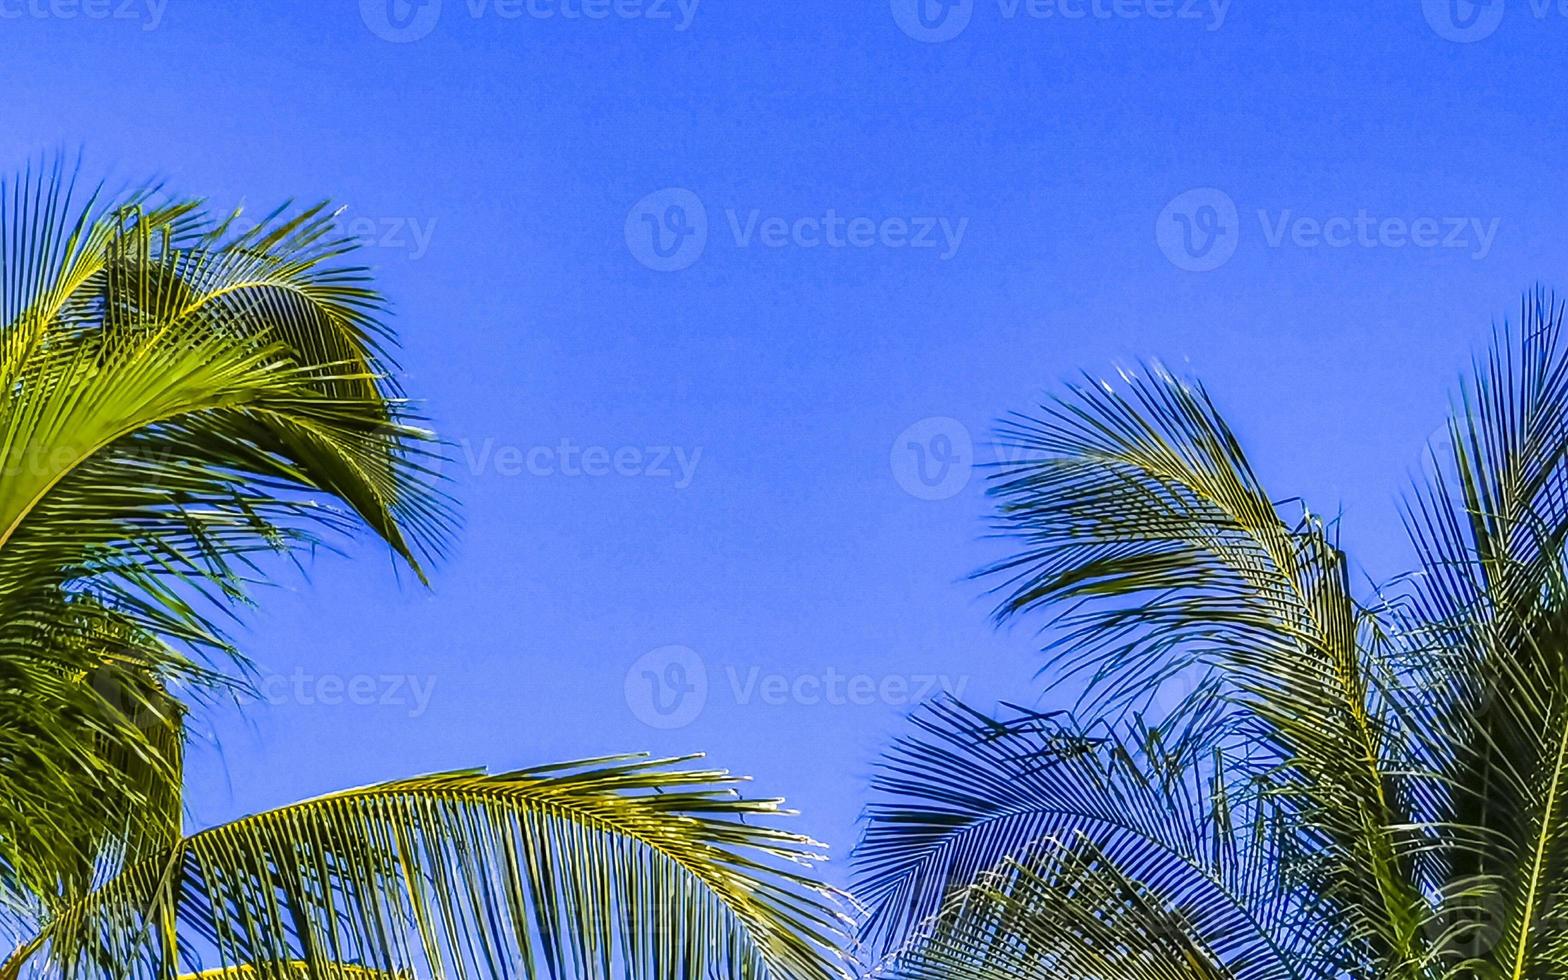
(620, 867)
(301, 969)
(1419, 756)
(179, 399)
(1487, 635)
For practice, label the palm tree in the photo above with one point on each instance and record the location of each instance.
(1273, 771)
(183, 399)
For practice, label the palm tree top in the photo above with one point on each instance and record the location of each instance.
(185, 397)
(1277, 772)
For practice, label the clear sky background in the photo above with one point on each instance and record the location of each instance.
(1396, 171)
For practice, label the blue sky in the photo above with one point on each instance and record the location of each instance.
(740, 456)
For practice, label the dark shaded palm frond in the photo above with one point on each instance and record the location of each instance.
(1485, 636)
(969, 793)
(1063, 913)
(180, 400)
(1145, 529)
(1412, 761)
(615, 867)
(70, 728)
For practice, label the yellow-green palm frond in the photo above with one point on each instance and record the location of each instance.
(1486, 634)
(616, 867)
(179, 399)
(1404, 757)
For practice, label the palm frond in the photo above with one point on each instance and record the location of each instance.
(623, 867)
(971, 793)
(1485, 631)
(180, 400)
(1144, 527)
(1062, 913)
(300, 969)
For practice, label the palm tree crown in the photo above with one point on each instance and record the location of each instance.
(182, 399)
(1273, 773)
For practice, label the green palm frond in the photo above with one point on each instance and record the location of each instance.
(971, 793)
(616, 867)
(1409, 751)
(1062, 914)
(1144, 524)
(1487, 632)
(184, 399)
(300, 969)
(180, 400)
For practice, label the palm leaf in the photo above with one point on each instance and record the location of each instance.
(180, 401)
(622, 867)
(300, 969)
(1066, 914)
(1486, 631)
(1144, 527)
(970, 793)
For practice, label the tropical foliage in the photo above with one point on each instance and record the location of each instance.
(186, 398)
(1274, 771)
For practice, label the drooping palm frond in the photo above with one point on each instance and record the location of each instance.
(1061, 914)
(1486, 634)
(1144, 525)
(1418, 755)
(182, 399)
(616, 867)
(179, 399)
(971, 793)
